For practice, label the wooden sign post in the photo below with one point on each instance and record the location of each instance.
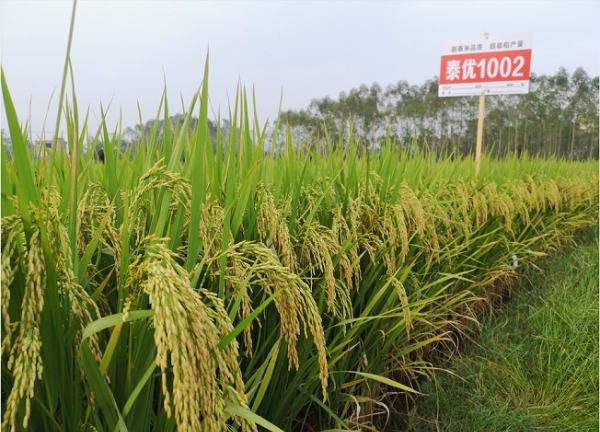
(479, 134)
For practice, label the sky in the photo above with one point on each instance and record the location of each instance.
(124, 52)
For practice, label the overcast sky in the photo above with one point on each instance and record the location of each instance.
(123, 50)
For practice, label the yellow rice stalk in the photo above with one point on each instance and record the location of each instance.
(25, 357)
(431, 211)
(499, 204)
(313, 194)
(319, 245)
(61, 253)
(439, 210)
(416, 283)
(401, 291)
(567, 192)
(7, 278)
(520, 197)
(368, 220)
(353, 217)
(383, 225)
(577, 191)
(480, 207)
(93, 207)
(228, 362)
(413, 209)
(211, 228)
(211, 233)
(445, 211)
(187, 334)
(552, 194)
(145, 196)
(460, 191)
(348, 262)
(25, 360)
(590, 190)
(295, 305)
(540, 192)
(375, 225)
(592, 193)
(394, 231)
(11, 226)
(80, 301)
(423, 222)
(273, 228)
(536, 194)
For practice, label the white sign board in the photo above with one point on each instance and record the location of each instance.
(488, 65)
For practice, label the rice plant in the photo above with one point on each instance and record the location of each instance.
(196, 285)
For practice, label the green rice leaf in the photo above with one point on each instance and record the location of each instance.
(239, 411)
(112, 320)
(385, 381)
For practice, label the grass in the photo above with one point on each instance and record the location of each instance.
(534, 366)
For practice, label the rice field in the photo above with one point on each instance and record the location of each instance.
(193, 285)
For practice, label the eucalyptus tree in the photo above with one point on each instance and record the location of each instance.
(558, 117)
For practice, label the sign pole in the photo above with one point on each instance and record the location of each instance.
(479, 134)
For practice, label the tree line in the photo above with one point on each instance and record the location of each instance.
(131, 138)
(558, 117)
